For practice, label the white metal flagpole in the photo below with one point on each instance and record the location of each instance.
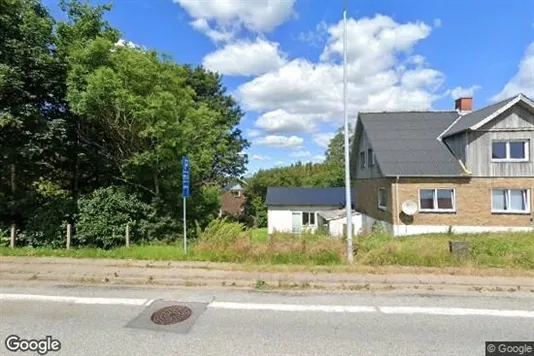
(348, 206)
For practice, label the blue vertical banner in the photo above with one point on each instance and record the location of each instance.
(185, 194)
(185, 177)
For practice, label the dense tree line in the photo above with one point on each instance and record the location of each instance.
(92, 132)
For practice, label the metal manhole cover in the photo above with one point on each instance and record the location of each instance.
(171, 315)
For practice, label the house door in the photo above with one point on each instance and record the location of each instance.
(296, 223)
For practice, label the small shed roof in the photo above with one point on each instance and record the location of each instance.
(334, 214)
(306, 196)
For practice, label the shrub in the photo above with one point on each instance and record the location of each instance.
(47, 224)
(103, 216)
(4, 237)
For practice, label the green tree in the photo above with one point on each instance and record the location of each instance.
(29, 101)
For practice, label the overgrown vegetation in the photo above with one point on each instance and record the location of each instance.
(92, 131)
(223, 241)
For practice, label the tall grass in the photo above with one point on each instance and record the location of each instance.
(224, 241)
(232, 242)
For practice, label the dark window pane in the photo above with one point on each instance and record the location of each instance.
(370, 157)
(312, 218)
(445, 199)
(382, 201)
(362, 159)
(498, 150)
(427, 198)
(305, 218)
(517, 150)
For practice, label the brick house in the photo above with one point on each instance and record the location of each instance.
(464, 170)
(233, 199)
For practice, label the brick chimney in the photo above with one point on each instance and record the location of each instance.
(464, 104)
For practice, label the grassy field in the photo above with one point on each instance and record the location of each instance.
(232, 244)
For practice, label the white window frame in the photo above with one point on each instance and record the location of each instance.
(436, 209)
(382, 207)
(509, 211)
(363, 162)
(370, 157)
(236, 193)
(310, 213)
(526, 146)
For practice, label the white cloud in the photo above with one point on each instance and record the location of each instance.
(523, 80)
(300, 154)
(383, 74)
(422, 78)
(280, 121)
(437, 23)
(253, 133)
(323, 139)
(461, 92)
(373, 41)
(125, 43)
(260, 158)
(316, 37)
(222, 35)
(280, 141)
(318, 158)
(245, 58)
(227, 16)
(417, 60)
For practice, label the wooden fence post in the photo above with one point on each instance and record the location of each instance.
(13, 235)
(69, 232)
(127, 234)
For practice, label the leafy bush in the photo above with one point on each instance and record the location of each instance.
(104, 214)
(47, 225)
(4, 237)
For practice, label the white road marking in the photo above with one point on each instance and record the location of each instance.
(293, 307)
(283, 307)
(75, 300)
(457, 311)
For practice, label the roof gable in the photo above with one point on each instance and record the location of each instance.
(478, 118)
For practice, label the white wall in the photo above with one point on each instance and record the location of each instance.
(368, 223)
(336, 227)
(279, 218)
(405, 230)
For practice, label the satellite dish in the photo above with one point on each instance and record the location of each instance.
(409, 207)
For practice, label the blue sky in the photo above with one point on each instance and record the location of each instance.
(282, 58)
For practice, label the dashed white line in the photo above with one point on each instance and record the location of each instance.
(294, 307)
(284, 307)
(457, 311)
(75, 300)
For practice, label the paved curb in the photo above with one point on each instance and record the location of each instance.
(192, 274)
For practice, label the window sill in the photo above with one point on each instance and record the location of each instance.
(383, 208)
(426, 211)
(510, 161)
(510, 212)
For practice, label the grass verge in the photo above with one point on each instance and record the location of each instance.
(230, 242)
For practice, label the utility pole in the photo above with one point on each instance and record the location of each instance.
(348, 206)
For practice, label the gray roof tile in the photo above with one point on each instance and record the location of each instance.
(406, 144)
(306, 196)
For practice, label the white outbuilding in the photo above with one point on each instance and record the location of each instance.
(295, 210)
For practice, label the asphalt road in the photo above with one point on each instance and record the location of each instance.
(333, 324)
